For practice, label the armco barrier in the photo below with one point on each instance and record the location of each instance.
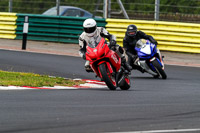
(171, 36)
(7, 25)
(53, 28)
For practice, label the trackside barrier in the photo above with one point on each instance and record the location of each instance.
(7, 25)
(53, 28)
(171, 36)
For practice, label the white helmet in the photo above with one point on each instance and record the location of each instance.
(90, 26)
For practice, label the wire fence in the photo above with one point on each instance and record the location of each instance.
(169, 10)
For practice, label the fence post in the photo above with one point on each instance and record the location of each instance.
(109, 8)
(123, 9)
(105, 9)
(25, 32)
(10, 6)
(58, 7)
(157, 5)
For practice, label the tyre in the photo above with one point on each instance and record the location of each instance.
(159, 69)
(126, 83)
(108, 78)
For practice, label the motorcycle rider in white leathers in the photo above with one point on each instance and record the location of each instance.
(91, 31)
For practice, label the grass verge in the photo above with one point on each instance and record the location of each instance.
(34, 80)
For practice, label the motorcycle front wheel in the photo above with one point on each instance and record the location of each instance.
(159, 69)
(108, 78)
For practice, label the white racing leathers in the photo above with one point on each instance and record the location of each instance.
(84, 39)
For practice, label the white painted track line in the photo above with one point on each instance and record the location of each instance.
(163, 131)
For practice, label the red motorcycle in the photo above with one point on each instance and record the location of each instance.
(107, 64)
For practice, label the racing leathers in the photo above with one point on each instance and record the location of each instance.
(129, 46)
(100, 31)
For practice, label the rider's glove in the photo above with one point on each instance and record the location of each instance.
(112, 42)
(154, 42)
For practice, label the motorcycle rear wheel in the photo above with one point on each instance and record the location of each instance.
(108, 78)
(159, 69)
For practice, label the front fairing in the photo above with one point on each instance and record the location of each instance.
(146, 51)
(99, 52)
(96, 49)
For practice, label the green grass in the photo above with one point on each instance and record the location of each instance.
(33, 80)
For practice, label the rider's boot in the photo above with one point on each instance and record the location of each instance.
(138, 67)
(125, 64)
(87, 67)
(119, 50)
(141, 69)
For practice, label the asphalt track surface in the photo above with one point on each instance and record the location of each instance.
(150, 104)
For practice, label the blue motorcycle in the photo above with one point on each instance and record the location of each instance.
(150, 59)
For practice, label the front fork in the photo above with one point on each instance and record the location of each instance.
(161, 58)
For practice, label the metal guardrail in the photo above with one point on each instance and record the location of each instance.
(53, 28)
(171, 36)
(8, 25)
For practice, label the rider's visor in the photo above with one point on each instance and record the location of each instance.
(90, 30)
(132, 33)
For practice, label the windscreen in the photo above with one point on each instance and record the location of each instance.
(94, 41)
(141, 43)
